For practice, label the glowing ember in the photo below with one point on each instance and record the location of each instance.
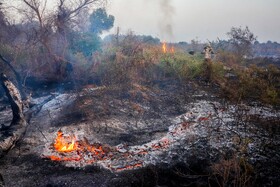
(164, 47)
(130, 167)
(65, 143)
(57, 158)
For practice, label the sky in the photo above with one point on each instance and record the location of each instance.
(202, 20)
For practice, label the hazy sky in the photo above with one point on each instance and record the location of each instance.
(183, 20)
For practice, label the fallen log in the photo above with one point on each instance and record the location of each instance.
(10, 135)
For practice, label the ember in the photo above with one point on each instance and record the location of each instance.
(130, 167)
(57, 158)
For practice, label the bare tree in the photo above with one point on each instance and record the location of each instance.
(242, 40)
(52, 26)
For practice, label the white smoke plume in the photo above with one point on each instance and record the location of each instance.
(166, 18)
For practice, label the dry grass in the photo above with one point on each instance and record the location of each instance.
(236, 172)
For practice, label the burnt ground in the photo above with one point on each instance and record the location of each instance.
(136, 115)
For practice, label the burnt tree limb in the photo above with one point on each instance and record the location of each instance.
(17, 75)
(13, 133)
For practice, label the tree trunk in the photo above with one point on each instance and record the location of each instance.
(13, 133)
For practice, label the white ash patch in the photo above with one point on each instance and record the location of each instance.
(130, 157)
(204, 121)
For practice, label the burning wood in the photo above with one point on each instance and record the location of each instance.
(62, 144)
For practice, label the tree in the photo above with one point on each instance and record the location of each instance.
(56, 26)
(100, 21)
(242, 41)
(85, 43)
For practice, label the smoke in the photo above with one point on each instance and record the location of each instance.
(166, 18)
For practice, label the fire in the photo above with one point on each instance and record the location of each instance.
(172, 50)
(65, 143)
(164, 47)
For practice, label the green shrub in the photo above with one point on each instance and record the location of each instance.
(218, 71)
(182, 65)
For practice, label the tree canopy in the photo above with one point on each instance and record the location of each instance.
(242, 40)
(100, 21)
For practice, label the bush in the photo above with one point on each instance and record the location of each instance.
(185, 66)
(254, 84)
(85, 43)
(228, 58)
(233, 172)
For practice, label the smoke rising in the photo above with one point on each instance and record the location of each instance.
(166, 18)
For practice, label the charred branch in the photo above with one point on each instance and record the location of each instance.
(10, 135)
(17, 75)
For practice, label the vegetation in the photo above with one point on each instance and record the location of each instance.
(100, 21)
(242, 40)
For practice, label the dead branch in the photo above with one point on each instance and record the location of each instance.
(17, 75)
(10, 135)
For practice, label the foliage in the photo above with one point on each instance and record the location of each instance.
(242, 40)
(186, 66)
(85, 43)
(253, 84)
(227, 58)
(100, 21)
(218, 71)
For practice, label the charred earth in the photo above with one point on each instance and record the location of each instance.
(160, 134)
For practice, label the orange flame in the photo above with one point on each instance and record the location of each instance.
(65, 143)
(164, 47)
(172, 50)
